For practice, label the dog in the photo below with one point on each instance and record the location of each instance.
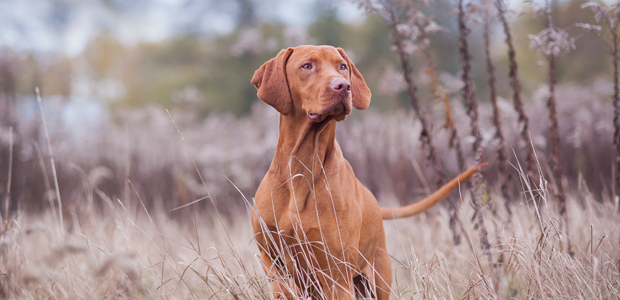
(318, 229)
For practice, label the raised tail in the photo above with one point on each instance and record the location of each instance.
(430, 201)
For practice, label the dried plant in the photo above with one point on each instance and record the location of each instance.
(7, 200)
(410, 36)
(441, 94)
(467, 92)
(454, 140)
(610, 18)
(184, 255)
(552, 42)
(506, 176)
(471, 107)
(129, 252)
(404, 19)
(516, 88)
(52, 162)
(487, 18)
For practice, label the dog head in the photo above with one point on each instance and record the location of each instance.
(314, 81)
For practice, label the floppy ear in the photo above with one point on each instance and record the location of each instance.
(270, 81)
(360, 92)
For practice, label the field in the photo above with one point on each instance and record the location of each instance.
(124, 239)
(126, 252)
(128, 165)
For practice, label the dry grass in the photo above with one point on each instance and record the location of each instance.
(383, 148)
(120, 253)
(119, 183)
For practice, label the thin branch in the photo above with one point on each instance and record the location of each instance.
(479, 187)
(506, 176)
(389, 13)
(49, 148)
(516, 88)
(8, 184)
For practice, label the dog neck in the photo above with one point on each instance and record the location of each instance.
(304, 147)
(304, 141)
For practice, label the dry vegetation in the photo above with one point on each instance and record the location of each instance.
(146, 204)
(122, 241)
(123, 251)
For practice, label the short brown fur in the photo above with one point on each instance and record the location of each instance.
(313, 219)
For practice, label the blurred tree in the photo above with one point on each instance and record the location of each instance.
(204, 71)
(8, 115)
(104, 56)
(586, 63)
(247, 13)
(327, 29)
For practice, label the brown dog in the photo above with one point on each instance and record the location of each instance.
(314, 222)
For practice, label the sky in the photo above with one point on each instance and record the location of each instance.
(66, 26)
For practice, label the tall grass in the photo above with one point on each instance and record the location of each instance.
(126, 252)
(144, 147)
(129, 244)
(133, 221)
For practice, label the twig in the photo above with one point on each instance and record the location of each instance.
(468, 88)
(188, 204)
(555, 137)
(479, 187)
(501, 152)
(49, 148)
(126, 192)
(516, 88)
(442, 95)
(552, 42)
(616, 98)
(389, 14)
(46, 179)
(609, 16)
(506, 176)
(454, 140)
(8, 185)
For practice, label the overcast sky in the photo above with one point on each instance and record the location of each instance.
(65, 26)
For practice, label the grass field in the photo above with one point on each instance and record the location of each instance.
(126, 252)
(122, 238)
(114, 198)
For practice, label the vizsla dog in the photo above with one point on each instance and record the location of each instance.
(315, 223)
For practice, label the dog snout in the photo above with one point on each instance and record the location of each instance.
(341, 85)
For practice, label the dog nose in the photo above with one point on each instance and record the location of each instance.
(341, 85)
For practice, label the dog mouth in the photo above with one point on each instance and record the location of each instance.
(339, 110)
(314, 116)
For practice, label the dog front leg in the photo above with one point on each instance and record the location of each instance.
(382, 273)
(277, 274)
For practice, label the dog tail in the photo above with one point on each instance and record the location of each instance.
(430, 201)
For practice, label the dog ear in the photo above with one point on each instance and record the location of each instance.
(271, 83)
(360, 92)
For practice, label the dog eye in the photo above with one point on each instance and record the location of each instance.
(306, 67)
(342, 67)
